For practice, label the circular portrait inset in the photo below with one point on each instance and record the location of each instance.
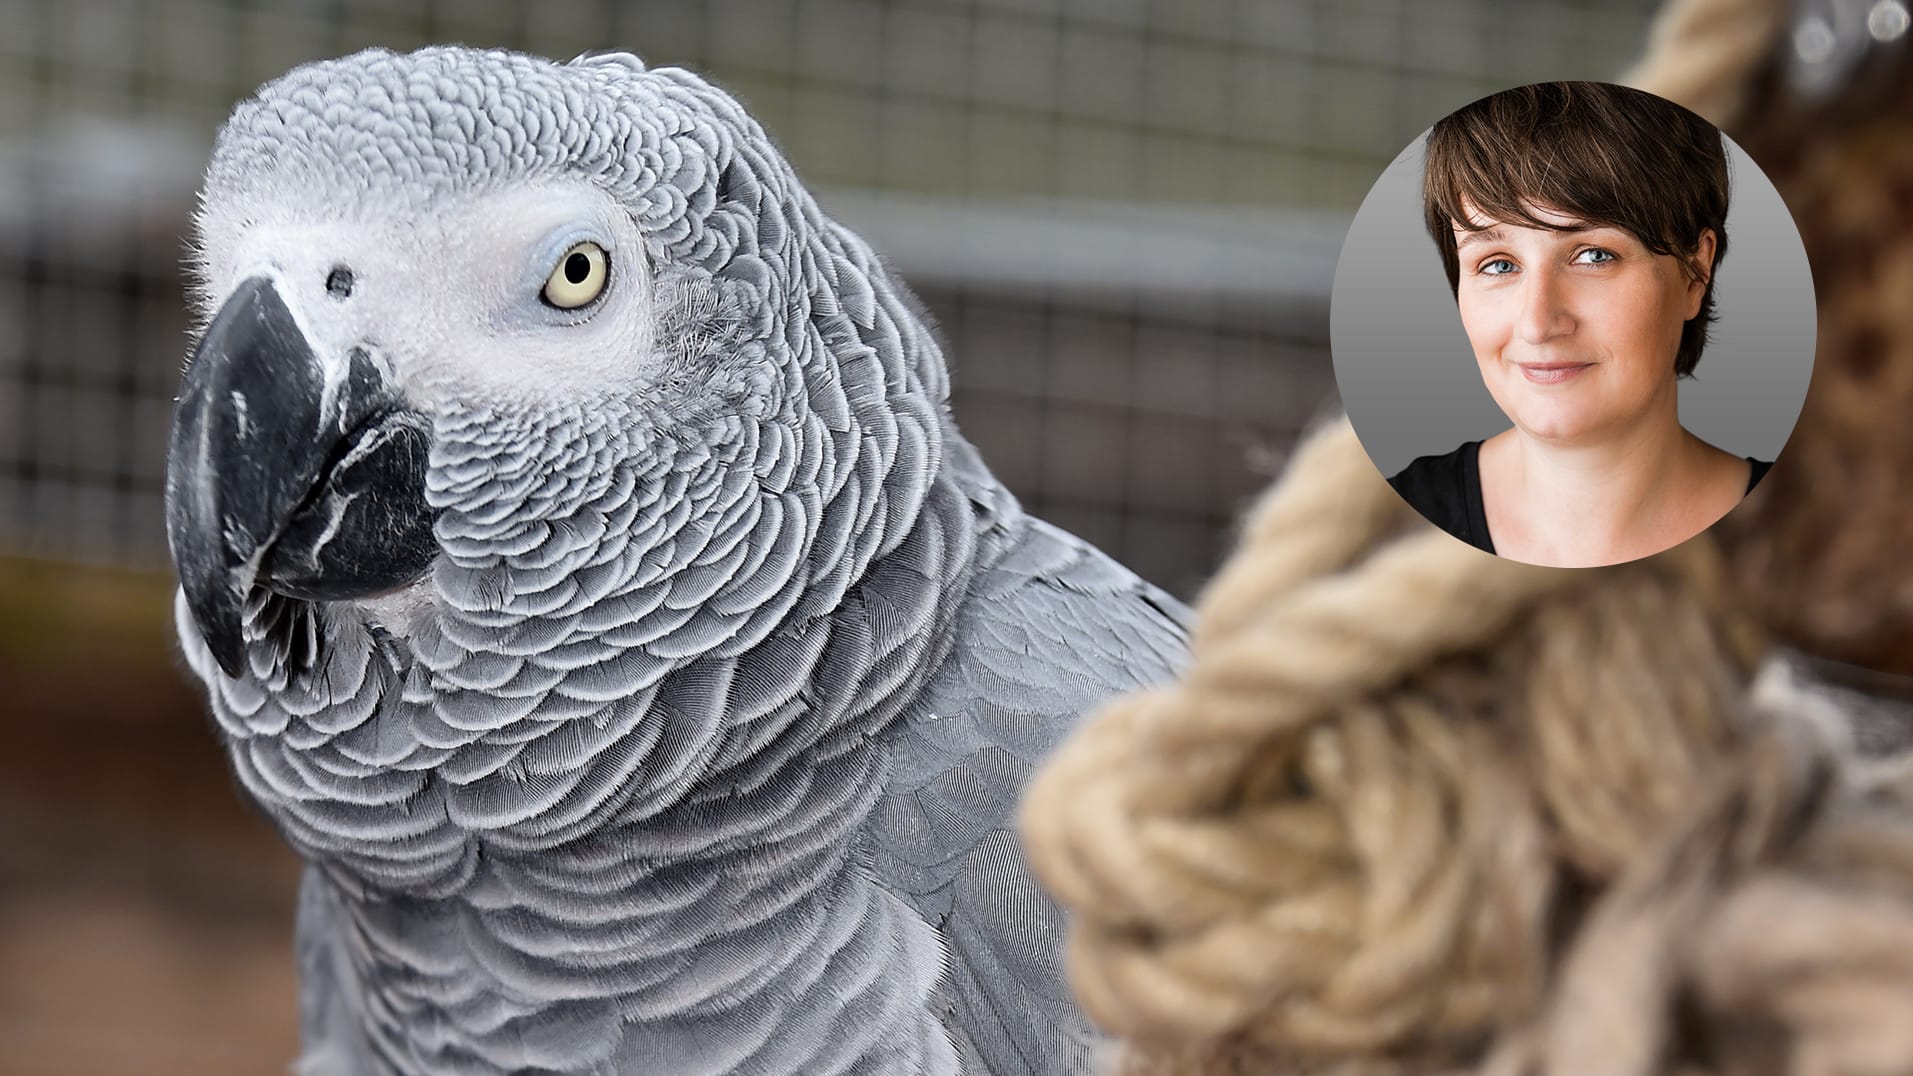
(1630, 382)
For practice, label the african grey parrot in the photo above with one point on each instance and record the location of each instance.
(590, 582)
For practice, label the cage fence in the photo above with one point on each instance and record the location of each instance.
(1123, 214)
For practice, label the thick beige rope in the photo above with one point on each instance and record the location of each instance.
(1415, 809)
(1701, 53)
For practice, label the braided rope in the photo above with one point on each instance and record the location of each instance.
(1351, 837)
(1700, 53)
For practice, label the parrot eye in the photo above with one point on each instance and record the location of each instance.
(578, 278)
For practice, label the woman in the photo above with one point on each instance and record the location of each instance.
(1581, 225)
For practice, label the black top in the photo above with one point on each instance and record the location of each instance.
(1447, 490)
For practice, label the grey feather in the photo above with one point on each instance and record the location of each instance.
(698, 748)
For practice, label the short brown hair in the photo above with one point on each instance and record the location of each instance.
(1602, 154)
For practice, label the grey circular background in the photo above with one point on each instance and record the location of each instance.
(1408, 377)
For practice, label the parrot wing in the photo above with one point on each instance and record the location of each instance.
(1049, 630)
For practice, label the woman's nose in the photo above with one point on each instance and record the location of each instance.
(1544, 312)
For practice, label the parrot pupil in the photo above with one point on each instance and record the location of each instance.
(577, 268)
(339, 282)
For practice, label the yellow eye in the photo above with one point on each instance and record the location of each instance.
(579, 276)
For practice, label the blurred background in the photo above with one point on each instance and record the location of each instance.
(1124, 215)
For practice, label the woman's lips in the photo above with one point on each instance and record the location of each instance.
(1552, 373)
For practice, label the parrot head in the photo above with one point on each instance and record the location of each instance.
(413, 268)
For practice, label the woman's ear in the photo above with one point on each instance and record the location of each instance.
(1701, 271)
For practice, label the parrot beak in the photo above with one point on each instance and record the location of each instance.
(283, 472)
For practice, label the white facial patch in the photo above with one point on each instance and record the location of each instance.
(451, 301)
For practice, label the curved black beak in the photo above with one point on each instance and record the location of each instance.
(287, 473)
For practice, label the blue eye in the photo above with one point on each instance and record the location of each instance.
(1488, 268)
(1596, 256)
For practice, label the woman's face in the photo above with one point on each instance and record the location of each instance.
(1575, 331)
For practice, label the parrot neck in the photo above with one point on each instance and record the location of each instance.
(614, 785)
(698, 868)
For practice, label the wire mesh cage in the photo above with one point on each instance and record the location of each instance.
(1167, 181)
